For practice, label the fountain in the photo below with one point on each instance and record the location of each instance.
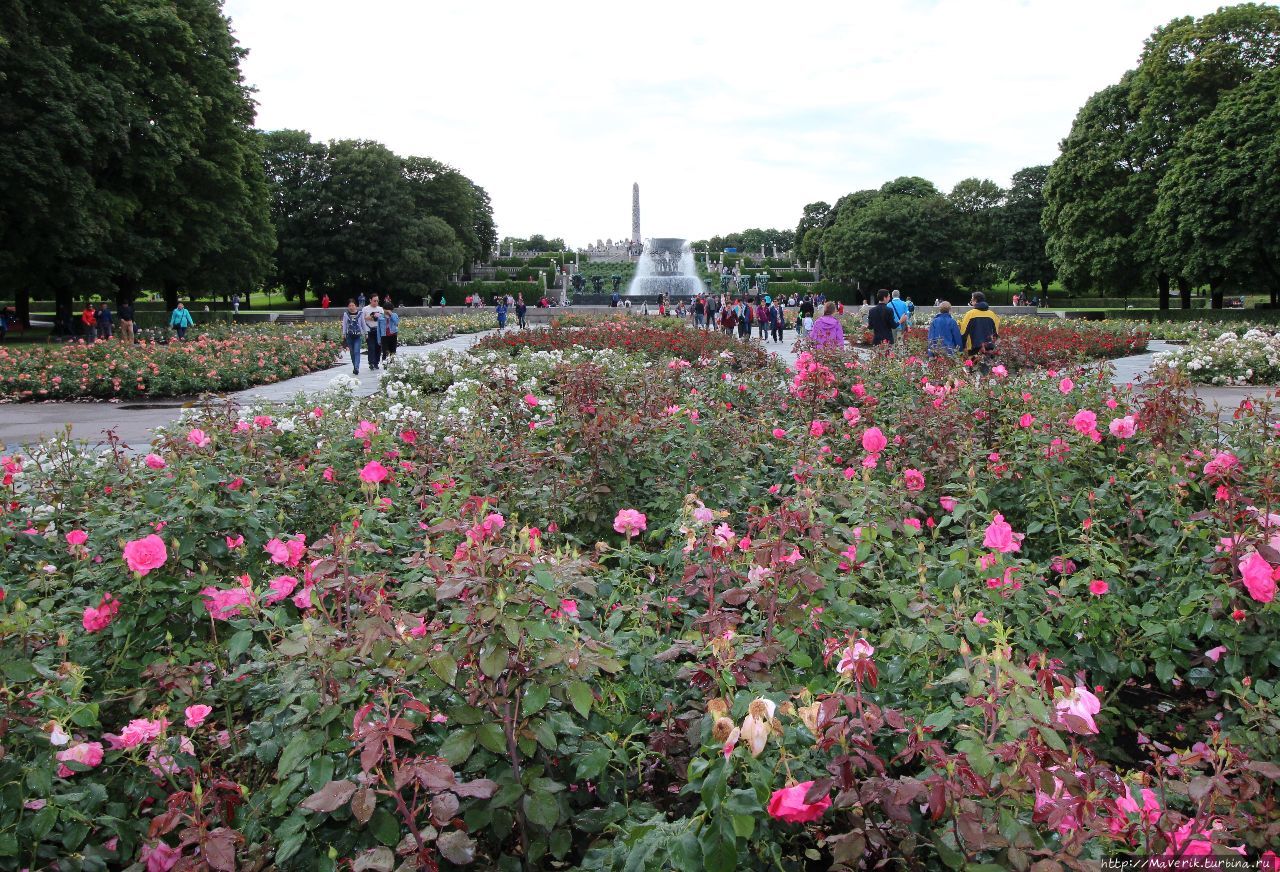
(666, 266)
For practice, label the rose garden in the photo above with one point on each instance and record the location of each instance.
(623, 594)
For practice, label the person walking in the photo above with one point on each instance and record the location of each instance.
(777, 320)
(881, 321)
(181, 321)
(103, 318)
(235, 304)
(521, 311)
(90, 322)
(371, 315)
(353, 333)
(827, 330)
(324, 302)
(125, 315)
(501, 311)
(442, 301)
(901, 315)
(806, 311)
(944, 334)
(361, 300)
(390, 331)
(980, 328)
(762, 319)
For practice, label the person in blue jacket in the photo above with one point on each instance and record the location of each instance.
(944, 332)
(500, 309)
(181, 320)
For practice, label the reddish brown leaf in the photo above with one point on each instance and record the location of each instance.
(330, 797)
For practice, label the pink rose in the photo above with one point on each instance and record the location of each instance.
(530, 400)
(873, 440)
(981, 620)
(374, 472)
(1098, 587)
(1259, 577)
(779, 433)
(159, 857)
(139, 731)
(234, 542)
(86, 754)
(630, 522)
(787, 804)
(196, 714)
(1123, 428)
(1085, 422)
(365, 429)
(913, 479)
(1221, 464)
(145, 554)
(76, 538)
(569, 607)
(1000, 536)
(948, 503)
(409, 437)
(1066, 385)
(282, 587)
(155, 461)
(1026, 420)
(198, 438)
(1215, 654)
(262, 422)
(97, 618)
(223, 605)
(999, 371)
(1076, 711)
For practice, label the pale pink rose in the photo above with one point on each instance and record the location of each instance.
(302, 599)
(859, 650)
(196, 714)
(1123, 428)
(76, 538)
(162, 763)
(139, 731)
(1066, 385)
(225, 604)
(145, 554)
(703, 515)
(787, 804)
(755, 733)
(1000, 536)
(999, 371)
(630, 522)
(365, 429)
(159, 857)
(155, 461)
(86, 754)
(981, 620)
(374, 472)
(1215, 654)
(198, 438)
(913, 479)
(1221, 464)
(282, 587)
(873, 440)
(1076, 711)
(1259, 577)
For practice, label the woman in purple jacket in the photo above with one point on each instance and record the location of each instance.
(827, 329)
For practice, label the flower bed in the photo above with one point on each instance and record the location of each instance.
(658, 339)
(1040, 343)
(116, 370)
(1251, 359)
(595, 608)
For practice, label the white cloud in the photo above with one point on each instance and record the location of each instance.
(728, 115)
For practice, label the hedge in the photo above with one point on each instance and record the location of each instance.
(1267, 316)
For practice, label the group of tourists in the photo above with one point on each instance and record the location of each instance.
(98, 322)
(504, 305)
(976, 333)
(374, 325)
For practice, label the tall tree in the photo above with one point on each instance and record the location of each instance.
(977, 204)
(295, 169)
(900, 238)
(1219, 206)
(1022, 239)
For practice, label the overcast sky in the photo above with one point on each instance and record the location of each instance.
(728, 115)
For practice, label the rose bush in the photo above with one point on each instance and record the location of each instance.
(1251, 359)
(680, 612)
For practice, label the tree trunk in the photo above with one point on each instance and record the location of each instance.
(22, 306)
(1163, 280)
(126, 290)
(62, 310)
(1044, 287)
(170, 295)
(1215, 293)
(1184, 292)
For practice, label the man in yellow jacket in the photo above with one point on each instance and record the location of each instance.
(980, 327)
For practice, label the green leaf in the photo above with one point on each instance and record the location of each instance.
(492, 738)
(238, 644)
(43, 822)
(289, 846)
(543, 578)
(1052, 739)
(743, 825)
(581, 696)
(494, 661)
(589, 766)
(457, 747)
(718, 855)
(542, 809)
(294, 753)
(534, 699)
(385, 827)
(940, 719)
(445, 668)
